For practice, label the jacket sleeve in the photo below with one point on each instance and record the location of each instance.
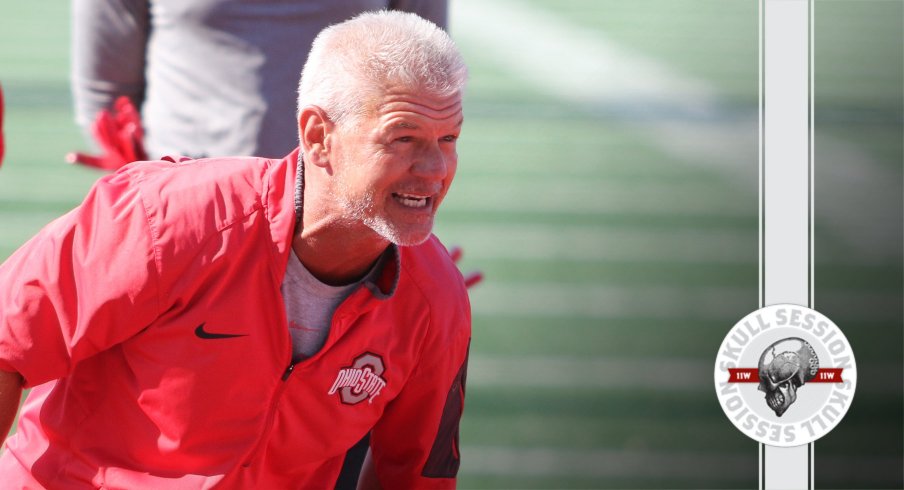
(436, 11)
(109, 40)
(84, 283)
(415, 443)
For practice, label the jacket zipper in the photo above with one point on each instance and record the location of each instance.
(271, 416)
(277, 396)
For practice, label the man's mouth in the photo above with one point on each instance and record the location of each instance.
(411, 200)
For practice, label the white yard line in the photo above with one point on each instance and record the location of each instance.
(668, 465)
(710, 246)
(573, 63)
(593, 374)
(604, 463)
(582, 67)
(555, 300)
(608, 302)
(612, 373)
(593, 195)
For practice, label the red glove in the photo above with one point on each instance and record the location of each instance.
(1, 125)
(473, 277)
(119, 135)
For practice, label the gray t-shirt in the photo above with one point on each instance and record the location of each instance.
(212, 77)
(310, 305)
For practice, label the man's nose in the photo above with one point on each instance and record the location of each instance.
(432, 162)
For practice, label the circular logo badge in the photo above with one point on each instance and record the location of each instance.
(785, 375)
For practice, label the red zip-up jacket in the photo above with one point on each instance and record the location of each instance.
(150, 324)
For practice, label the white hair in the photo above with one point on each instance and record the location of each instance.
(351, 63)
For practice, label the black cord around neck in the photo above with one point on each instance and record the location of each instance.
(299, 192)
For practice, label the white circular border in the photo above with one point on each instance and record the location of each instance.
(802, 434)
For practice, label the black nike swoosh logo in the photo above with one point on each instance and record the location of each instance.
(204, 334)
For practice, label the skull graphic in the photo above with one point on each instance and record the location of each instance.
(784, 367)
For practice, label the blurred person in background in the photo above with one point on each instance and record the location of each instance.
(209, 77)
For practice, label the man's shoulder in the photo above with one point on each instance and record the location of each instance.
(218, 189)
(430, 267)
(437, 288)
(187, 202)
(173, 177)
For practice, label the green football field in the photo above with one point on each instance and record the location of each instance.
(607, 188)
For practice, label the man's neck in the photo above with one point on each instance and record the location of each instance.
(336, 250)
(336, 257)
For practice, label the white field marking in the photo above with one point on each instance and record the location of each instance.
(594, 195)
(595, 243)
(849, 171)
(604, 463)
(609, 373)
(572, 63)
(593, 373)
(581, 66)
(593, 301)
(670, 465)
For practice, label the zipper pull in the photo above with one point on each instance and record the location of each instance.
(288, 372)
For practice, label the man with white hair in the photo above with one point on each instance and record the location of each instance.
(242, 322)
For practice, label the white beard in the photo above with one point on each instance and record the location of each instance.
(362, 209)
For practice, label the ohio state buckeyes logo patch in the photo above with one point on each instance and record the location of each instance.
(785, 375)
(361, 381)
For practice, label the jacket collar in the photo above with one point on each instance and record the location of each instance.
(287, 209)
(388, 279)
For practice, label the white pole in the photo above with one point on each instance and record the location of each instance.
(785, 192)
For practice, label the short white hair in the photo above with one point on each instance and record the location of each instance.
(351, 63)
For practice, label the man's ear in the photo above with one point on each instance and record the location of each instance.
(314, 128)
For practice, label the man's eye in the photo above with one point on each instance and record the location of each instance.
(405, 139)
(450, 138)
